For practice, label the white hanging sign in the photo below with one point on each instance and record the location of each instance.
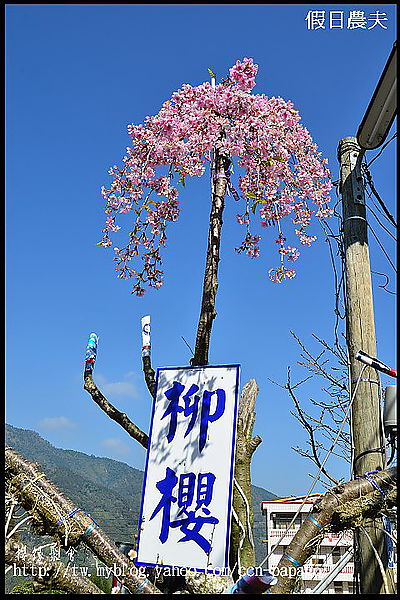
(146, 346)
(187, 492)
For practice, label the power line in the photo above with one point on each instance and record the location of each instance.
(387, 282)
(382, 248)
(369, 193)
(381, 150)
(382, 225)
(377, 196)
(338, 279)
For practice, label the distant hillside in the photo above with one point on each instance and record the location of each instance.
(108, 489)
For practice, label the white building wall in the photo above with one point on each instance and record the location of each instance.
(321, 563)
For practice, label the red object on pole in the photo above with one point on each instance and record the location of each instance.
(375, 363)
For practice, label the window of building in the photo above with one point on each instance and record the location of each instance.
(282, 521)
(338, 587)
(336, 554)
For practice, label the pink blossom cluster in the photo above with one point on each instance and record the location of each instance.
(280, 273)
(244, 74)
(281, 171)
(250, 245)
(291, 253)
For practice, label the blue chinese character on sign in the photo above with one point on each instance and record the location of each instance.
(190, 523)
(165, 486)
(190, 408)
(173, 408)
(206, 418)
(204, 489)
(186, 490)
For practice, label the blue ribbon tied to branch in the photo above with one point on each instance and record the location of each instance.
(91, 352)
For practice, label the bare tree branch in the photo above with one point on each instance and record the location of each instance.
(326, 415)
(309, 430)
(316, 366)
(56, 515)
(119, 417)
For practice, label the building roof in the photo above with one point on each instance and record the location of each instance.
(294, 499)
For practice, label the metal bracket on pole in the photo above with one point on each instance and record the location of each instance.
(352, 167)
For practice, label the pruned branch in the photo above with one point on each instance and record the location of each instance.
(148, 371)
(149, 374)
(56, 515)
(242, 545)
(341, 508)
(246, 418)
(89, 385)
(119, 417)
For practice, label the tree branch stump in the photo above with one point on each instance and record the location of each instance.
(242, 552)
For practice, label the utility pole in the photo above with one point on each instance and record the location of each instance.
(366, 425)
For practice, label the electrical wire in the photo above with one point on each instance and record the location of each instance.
(392, 450)
(381, 150)
(387, 282)
(338, 281)
(316, 478)
(187, 345)
(378, 558)
(377, 207)
(381, 224)
(377, 196)
(356, 571)
(382, 248)
(388, 534)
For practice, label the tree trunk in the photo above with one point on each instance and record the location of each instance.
(242, 555)
(210, 284)
(241, 543)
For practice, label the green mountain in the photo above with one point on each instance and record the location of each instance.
(107, 489)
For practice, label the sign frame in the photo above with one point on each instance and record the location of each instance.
(232, 448)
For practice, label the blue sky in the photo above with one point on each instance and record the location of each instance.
(76, 76)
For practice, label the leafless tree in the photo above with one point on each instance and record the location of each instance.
(321, 417)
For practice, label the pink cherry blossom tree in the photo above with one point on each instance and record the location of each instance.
(282, 180)
(282, 172)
